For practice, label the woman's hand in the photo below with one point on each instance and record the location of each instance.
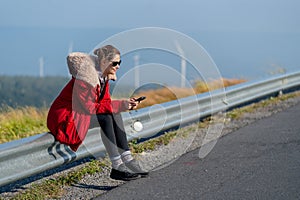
(132, 103)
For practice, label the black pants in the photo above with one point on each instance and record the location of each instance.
(113, 134)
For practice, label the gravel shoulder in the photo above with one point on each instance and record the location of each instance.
(189, 138)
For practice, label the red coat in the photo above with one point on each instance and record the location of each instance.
(70, 114)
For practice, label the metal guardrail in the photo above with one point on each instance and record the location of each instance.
(26, 157)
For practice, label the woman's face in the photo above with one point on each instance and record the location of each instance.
(109, 68)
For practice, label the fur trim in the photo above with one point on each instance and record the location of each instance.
(83, 66)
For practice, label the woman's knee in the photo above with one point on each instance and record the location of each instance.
(104, 118)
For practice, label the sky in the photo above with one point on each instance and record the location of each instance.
(237, 15)
(241, 36)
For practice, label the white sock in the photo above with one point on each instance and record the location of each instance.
(116, 162)
(126, 156)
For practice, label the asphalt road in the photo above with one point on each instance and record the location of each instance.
(259, 161)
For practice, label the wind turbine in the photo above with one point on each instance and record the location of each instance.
(183, 63)
(70, 50)
(136, 71)
(41, 61)
(70, 47)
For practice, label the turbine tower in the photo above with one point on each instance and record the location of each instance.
(183, 64)
(70, 50)
(41, 61)
(136, 71)
(70, 47)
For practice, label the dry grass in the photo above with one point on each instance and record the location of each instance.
(16, 123)
(172, 93)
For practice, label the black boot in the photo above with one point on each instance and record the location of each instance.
(134, 166)
(121, 173)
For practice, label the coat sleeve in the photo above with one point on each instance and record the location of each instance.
(118, 106)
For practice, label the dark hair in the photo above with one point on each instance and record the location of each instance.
(107, 52)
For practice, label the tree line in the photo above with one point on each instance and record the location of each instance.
(18, 91)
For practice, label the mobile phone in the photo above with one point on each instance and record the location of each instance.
(141, 98)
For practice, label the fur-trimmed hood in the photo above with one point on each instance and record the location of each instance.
(83, 66)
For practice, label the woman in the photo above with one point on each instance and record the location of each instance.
(87, 94)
